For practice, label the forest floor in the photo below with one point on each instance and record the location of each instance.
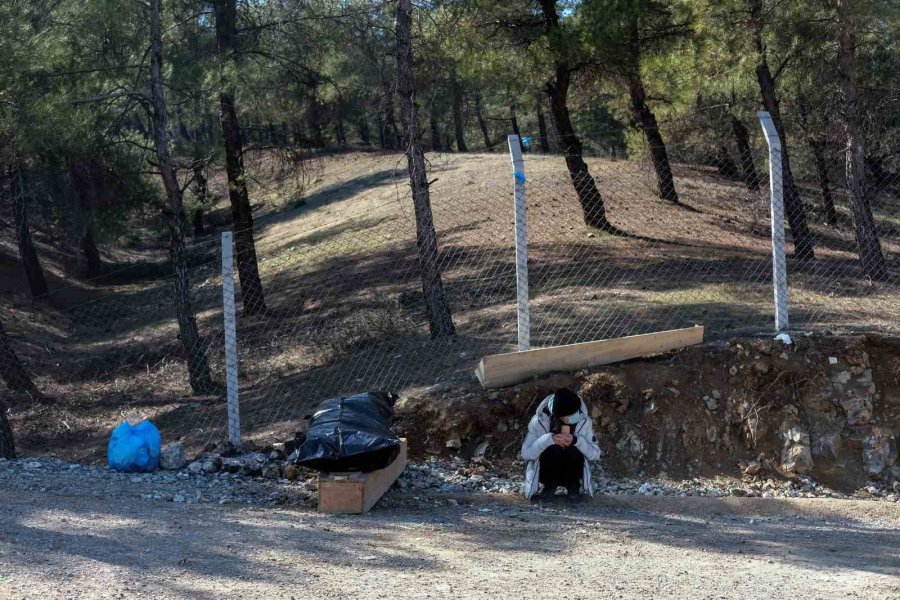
(66, 545)
(335, 239)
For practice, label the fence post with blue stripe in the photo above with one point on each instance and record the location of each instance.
(523, 314)
(776, 188)
(231, 358)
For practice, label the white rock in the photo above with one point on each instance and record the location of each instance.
(797, 459)
(784, 338)
(171, 458)
(879, 451)
(481, 448)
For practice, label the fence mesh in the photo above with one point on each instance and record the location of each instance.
(345, 304)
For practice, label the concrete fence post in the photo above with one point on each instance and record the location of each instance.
(521, 224)
(776, 195)
(231, 358)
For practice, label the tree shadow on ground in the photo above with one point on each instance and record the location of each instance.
(232, 545)
(330, 194)
(235, 551)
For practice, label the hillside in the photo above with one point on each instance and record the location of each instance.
(336, 244)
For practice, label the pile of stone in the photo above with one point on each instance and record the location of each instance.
(53, 476)
(456, 476)
(247, 460)
(225, 475)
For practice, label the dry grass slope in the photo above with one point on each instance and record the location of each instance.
(341, 276)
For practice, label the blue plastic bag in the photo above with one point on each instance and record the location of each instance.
(134, 448)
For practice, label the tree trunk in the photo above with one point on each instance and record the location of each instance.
(201, 185)
(273, 135)
(818, 151)
(37, 283)
(12, 372)
(542, 126)
(339, 132)
(195, 351)
(875, 165)
(748, 166)
(482, 124)
(514, 121)
(437, 308)
(867, 243)
(314, 123)
(390, 120)
(382, 133)
(209, 129)
(592, 207)
(793, 204)
(93, 265)
(364, 134)
(182, 128)
(458, 128)
(436, 145)
(725, 164)
(665, 183)
(245, 246)
(199, 230)
(817, 146)
(884, 179)
(7, 443)
(89, 178)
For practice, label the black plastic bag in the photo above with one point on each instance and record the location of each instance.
(350, 434)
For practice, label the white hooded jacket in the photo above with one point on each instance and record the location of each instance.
(539, 438)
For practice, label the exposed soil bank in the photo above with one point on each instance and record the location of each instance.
(827, 407)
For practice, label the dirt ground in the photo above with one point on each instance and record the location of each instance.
(339, 266)
(59, 546)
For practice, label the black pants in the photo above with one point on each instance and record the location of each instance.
(561, 466)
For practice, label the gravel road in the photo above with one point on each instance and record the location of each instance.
(59, 545)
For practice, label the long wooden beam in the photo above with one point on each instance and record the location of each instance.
(500, 370)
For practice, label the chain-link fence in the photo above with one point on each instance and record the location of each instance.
(616, 246)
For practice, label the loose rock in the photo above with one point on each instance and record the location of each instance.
(171, 457)
(211, 464)
(797, 458)
(879, 452)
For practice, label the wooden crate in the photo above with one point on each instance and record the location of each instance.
(358, 492)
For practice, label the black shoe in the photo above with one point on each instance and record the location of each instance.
(547, 494)
(573, 494)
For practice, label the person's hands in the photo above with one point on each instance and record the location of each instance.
(563, 440)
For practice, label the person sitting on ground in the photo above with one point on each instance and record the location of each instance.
(559, 446)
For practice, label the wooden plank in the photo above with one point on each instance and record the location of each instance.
(340, 496)
(500, 370)
(380, 481)
(358, 492)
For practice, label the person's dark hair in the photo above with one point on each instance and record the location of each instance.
(565, 402)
